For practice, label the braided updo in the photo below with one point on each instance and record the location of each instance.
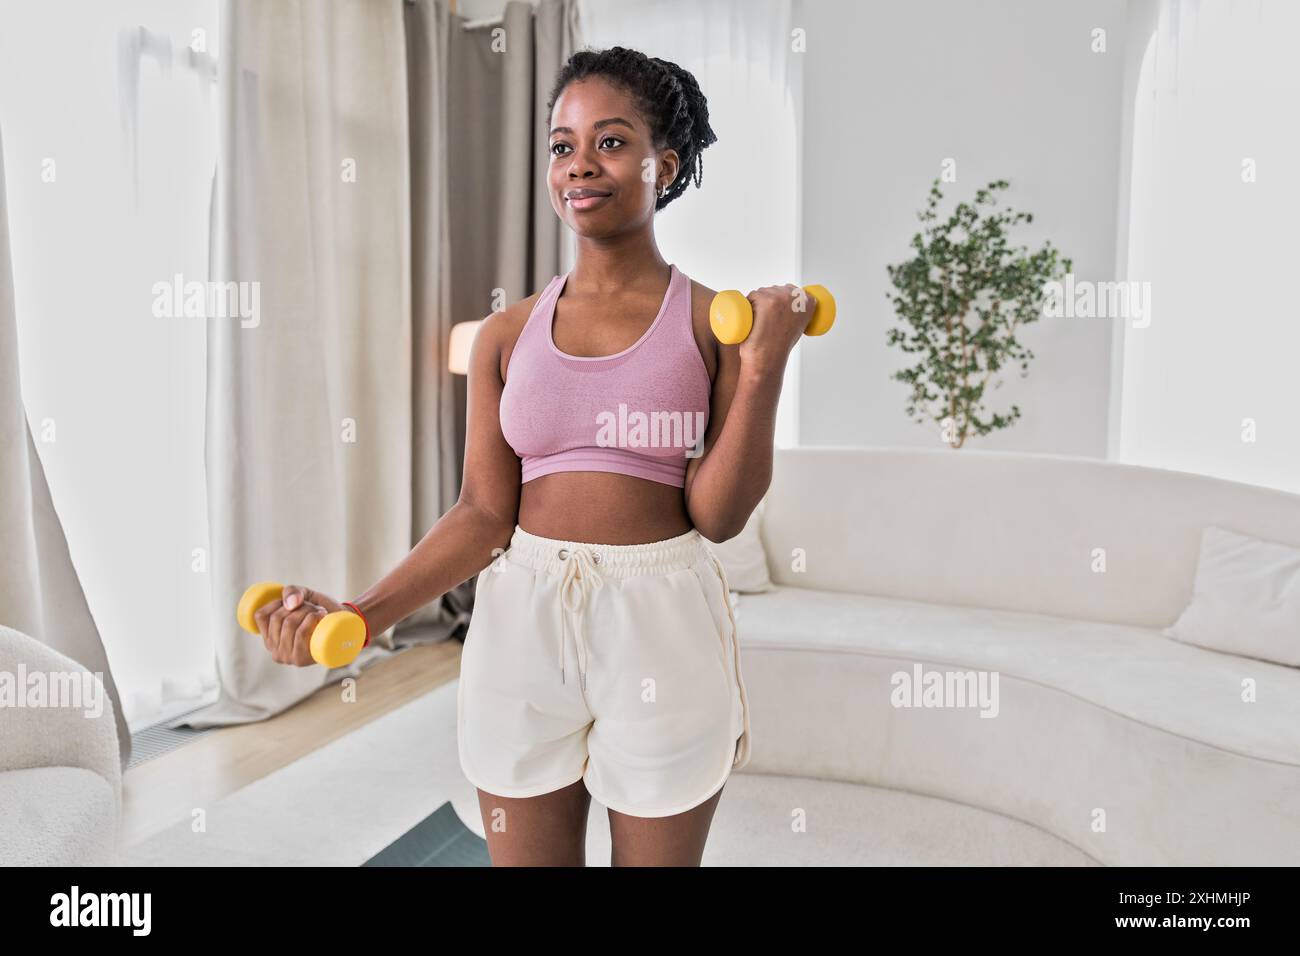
(666, 95)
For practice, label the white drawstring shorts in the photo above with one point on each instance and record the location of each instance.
(618, 665)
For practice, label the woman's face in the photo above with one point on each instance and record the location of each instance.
(600, 142)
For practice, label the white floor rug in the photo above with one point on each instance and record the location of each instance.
(344, 803)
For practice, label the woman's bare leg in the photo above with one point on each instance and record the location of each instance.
(547, 830)
(662, 841)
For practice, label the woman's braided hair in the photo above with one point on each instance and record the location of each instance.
(666, 95)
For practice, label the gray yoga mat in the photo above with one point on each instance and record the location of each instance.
(440, 839)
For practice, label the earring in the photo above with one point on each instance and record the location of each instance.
(660, 191)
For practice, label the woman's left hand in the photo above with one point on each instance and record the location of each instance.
(781, 313)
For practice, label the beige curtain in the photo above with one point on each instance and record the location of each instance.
(380, 174)
(480, 216)
(40, 593)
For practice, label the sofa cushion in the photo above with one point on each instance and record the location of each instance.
(743, 558)
(1246, 598)
(1134, 672)
(1005, 530)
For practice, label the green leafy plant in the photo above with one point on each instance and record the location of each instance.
(962, 297)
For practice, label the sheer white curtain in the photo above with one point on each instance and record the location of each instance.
(110, 136)
(1210, 385)
(740, 229)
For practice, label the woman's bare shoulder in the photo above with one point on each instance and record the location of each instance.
(502, 328)
(515, 314)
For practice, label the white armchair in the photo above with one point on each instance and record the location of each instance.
(60, 769)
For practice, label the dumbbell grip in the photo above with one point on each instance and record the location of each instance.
(332, 643)
(731, 315)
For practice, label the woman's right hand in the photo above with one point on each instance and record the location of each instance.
(780, 316)
(286, 624)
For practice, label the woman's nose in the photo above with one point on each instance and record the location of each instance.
(583, 160)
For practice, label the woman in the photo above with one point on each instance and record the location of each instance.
(602, 657)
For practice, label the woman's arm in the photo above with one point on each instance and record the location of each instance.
(725, 484)
(479, 525)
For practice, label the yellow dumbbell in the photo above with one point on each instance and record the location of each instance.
(732, 316)
(337, 640)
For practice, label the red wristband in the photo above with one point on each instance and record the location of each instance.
(357, 611)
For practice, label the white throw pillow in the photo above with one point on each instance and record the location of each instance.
(1246, 599)
(743, 557)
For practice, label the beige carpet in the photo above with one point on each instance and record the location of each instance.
(343, 803)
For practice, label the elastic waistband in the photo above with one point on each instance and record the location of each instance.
(613, 560)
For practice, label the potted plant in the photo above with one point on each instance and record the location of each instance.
(963, 296)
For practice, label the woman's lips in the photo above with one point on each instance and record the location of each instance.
(587, 202)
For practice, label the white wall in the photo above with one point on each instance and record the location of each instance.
(1010, 90)
(1207, 383)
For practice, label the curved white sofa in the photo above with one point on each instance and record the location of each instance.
(60, 770)
(971, 560)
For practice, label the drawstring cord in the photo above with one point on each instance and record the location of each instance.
(580, 579)
(578, 582)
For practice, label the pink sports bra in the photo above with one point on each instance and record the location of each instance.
(640, 412)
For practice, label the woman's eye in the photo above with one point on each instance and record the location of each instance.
(607, 139)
